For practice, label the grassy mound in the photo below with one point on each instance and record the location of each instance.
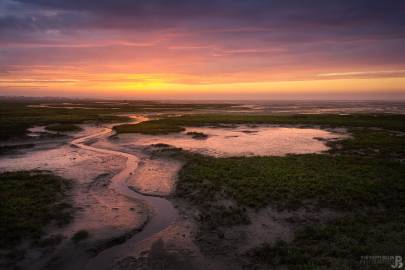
(197, 135)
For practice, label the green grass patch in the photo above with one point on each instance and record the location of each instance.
(150, 127)
(371, 143)
(16, 118)
(63, 128)
(369, 190)
(339, 244)
(329, 181)
(16, 115)
(29, 201)
(177, 124)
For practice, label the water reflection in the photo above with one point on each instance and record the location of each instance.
(243, 140)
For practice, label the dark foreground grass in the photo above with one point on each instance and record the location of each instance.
(371, 191)
(340, 182)
(29, 201)
(339, 244)
(362, 177)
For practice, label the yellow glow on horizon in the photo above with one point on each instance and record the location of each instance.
(318, 86)
(163, 84)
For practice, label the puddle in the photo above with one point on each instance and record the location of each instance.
(243, 140)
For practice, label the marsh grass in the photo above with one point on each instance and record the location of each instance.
(29, 201)
(369, 190)
(176, 124)
(197, 135)
(16, 118)
(286, 182)
(150, 127)
(16, 115)
(361, 177)
(371, 143)
(338, 244)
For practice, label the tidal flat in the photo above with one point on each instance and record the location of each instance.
(201, 186)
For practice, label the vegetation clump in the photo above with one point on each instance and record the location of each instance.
(160, 145)
(197, 135)
(149, 127)
(29, 201)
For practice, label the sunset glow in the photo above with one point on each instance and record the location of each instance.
(209, 49)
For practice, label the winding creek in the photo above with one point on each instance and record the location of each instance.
(164, 213)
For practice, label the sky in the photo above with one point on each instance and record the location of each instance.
(203, 49)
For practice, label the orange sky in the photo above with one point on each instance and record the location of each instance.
(211, 49)
(341, 85)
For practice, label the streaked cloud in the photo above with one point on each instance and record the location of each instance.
(383, 73)
(199, 42)
(30, 81)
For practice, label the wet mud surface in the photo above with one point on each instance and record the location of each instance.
(122, 197)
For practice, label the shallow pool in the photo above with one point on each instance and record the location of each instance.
(243, 140)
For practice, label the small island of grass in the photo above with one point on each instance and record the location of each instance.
(197, 135)
(150, 127)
